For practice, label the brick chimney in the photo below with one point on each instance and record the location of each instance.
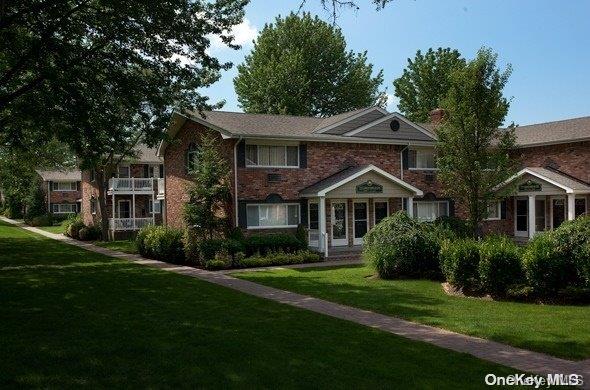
(436, 116)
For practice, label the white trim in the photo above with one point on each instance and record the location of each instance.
(387, 117)
(275, 226)
(355, 240)
(416, 202)
(64, 204)
(322, 130)
(499, 209)
(521, 233)
(567, 189)
(339, 241)
(119, 208)
(70, 182)
(272, 166)
(370, 168)
(379, 200)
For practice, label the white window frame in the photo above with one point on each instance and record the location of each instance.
(119, 208)
(60, 205)
(499, 211)
(128, 171)
(73, 186)
(378, 200)
(273, 166)
(438, 202)
(286, 205)
(419, 151)
(151, 206)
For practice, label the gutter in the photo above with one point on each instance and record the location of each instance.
(401, 159)
(236, 181)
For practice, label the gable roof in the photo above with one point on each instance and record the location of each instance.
(346, 175)
(568, 184)
(569, 130)
(57, 175)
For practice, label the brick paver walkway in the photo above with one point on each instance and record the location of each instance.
(517, 358)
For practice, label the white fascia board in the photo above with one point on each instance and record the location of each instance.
(348, 119)
(370, 168)
(524, 171)
(387, 117)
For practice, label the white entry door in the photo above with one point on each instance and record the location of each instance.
(361, 221)
(521, 217)
(339, 226)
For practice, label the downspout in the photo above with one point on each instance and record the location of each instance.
(236, 181)
(401, 159)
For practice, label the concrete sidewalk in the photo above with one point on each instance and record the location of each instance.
(517, 358)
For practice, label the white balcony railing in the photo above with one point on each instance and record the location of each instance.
(131, 184)
(129, 223)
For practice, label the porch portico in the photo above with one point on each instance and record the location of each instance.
(543, 199)
(344, 206)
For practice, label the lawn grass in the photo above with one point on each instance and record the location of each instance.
(127, 246)
(57, 229)
(562, 331)
(74, 318)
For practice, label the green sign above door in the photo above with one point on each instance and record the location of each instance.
(529, 185)
(369, 187)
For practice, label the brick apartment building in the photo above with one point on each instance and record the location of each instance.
(340, 175)
(62, 191)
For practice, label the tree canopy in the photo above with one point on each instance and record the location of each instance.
(300, 66)
(426, 81)
(473, 151)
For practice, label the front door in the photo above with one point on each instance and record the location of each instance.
(521, 220)
(361, 221)
(557, 212)
(124, 209)
(339, 227)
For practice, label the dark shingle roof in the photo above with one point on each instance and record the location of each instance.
(331, 180)
(66, 175)
(568, 130)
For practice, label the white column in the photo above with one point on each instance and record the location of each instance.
(410, 206)
(322, 219)
(153, 207)
(133, 211)
(532, 215)
(571, 207)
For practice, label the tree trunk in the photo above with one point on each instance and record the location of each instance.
(102, 184)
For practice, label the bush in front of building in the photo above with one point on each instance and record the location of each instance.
(39, 220)
(161, 243)
(262, 244)
(499, 264)
(72, 226)
(459, 261)
(572, 238)
(401, 247)
(280, 258)
(90, 233)
(457, 226)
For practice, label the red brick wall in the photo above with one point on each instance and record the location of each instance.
(61, 196)
(177, 179)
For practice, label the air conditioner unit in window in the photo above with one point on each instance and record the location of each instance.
(429, 177)
(273, 178)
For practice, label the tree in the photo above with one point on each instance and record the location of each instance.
(333, 7)
(35, 199)
(210, 191)
(425, 82)
(473, 152)
(299, 66)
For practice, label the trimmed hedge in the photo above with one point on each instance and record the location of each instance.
(401, 247)
(40, 220)
(72, 226)
(499, 264)
(460, 263)
(270, 259)
(161, 243)
(266, 243)
(90, 233)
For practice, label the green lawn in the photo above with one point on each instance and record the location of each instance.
(57, 229)
(73, 318)
(557, 330)
(127, 246)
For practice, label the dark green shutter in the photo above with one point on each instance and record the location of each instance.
(405, 159)
(303, 212)
(503, 209)
(303, 156)
(242, 216)
(241, 154)
(451, 208)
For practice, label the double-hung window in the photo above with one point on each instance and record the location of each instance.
(272, 215)
(155, 207)
(429, 211)
(274, 156)
(64, 186)
(422, 158)
(63, 208)
(494, 211)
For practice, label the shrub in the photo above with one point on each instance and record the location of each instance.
(226, 248)
(401, 247)
(216, 264)
(191, 241)
(582, 260)
(546, 266)
(73, 225)
(459, 227)
(571, 240)
(459, 263)
(280, 258)
(89, 233)
(35, 201)
(40, 220)
(162, 243)
(499, 264)
(301, 235)
(265, 243)
(235, 233)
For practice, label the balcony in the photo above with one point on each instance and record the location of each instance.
(121, 224)
(161, 189)
(120, 185)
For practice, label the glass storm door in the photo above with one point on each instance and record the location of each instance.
(361, 221)
(339, 228)
(558, 207)
(521, 218)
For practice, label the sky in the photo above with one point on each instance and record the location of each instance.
(546, 42)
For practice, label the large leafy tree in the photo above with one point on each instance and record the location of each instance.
(473, 152)
(104, 75)
(300, 66)
(426, 81)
